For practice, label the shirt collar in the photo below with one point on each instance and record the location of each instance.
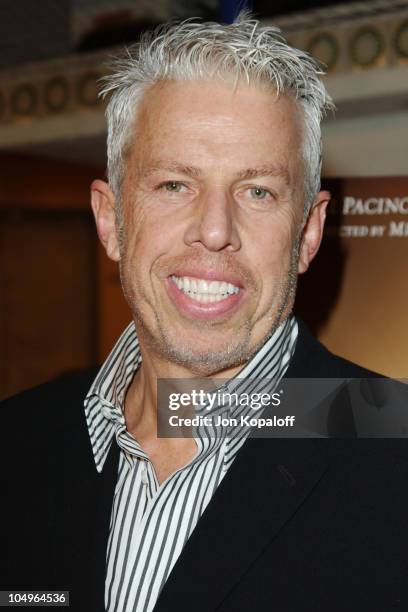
(104, 403)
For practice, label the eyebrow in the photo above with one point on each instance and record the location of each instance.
(274, 170)
(176, 167)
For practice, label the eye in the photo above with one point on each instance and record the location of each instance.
(172, 186)
(259, 193)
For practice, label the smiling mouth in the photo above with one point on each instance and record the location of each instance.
(205, 291)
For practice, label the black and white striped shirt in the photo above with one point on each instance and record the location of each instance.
(151, 523)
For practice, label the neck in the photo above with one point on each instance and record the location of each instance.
(141, 397)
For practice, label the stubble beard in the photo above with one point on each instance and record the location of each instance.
(158, 340)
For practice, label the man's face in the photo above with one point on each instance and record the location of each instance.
(212, 204)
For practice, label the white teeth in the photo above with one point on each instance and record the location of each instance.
(224, 288)
(214, 287)
(204, 291)
(202, 286)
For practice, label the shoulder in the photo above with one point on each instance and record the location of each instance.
(41, 414)
(365, 443)
(67, 387)
(312, 359)
(343, 399)
(48, 471)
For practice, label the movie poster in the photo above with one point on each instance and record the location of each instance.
(355, 294)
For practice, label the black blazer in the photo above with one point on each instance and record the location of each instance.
(296, 524)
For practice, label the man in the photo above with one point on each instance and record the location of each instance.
(212, 209)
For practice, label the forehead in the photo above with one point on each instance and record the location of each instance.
(213, 117)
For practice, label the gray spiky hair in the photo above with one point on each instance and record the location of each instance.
(243, 50)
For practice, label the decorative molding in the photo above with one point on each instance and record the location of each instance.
(43, 101)
(56, 93)
(366, 47)
(400, 40)
(340, 13)
(56, 87)
(325, 46)
(351, 37)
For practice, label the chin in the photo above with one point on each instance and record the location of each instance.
(205, 360)
(201, 365)
(202, 354)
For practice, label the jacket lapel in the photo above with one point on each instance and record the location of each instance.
(84, 507)
(265, 485)
(102, 505)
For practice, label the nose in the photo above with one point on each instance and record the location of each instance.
(213, 222)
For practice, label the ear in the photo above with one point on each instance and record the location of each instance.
(313, 231)
(103, 206)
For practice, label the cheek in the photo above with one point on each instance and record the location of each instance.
(272, 249)
(147, 239)
(134, 214)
